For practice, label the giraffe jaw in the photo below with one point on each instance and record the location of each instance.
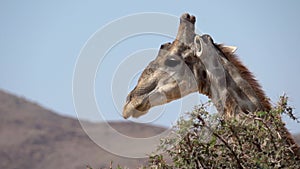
(130, 110)
(140, 105)
(161, 94)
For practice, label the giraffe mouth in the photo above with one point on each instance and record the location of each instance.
(131, 110)
(138, 105)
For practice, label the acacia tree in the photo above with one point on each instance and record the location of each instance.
(201, 140)
(255, 140)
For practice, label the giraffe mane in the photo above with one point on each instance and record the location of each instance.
(247, 75)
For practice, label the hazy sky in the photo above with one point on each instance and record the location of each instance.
(41, 40)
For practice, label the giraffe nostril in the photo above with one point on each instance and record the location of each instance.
(128, 98)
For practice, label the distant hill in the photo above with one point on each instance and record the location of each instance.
(36, 138)
(32, 137)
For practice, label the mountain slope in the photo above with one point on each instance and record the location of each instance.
(33, 137)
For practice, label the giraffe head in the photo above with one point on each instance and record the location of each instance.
(167, 77)
(176, 72)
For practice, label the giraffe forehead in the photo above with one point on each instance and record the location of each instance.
(170, 53)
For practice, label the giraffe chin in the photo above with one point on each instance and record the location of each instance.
(131, 111)
(140, 105)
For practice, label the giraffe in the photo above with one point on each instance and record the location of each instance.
(194, 63)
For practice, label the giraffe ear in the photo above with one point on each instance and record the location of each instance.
(230, 49)
(198, 45)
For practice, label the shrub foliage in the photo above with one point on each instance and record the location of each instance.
(255, 140)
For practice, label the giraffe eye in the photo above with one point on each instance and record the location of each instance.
(172, 62)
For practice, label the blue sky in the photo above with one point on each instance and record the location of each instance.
(40, 42)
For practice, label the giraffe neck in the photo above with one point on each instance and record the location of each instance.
(235, 91)
(230, 85)
(231, 89)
